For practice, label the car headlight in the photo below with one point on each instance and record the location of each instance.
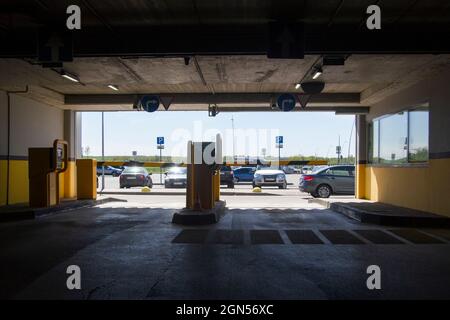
(257, 176)
(280, 177)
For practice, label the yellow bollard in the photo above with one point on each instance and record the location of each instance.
(146, 189)
(256, 189)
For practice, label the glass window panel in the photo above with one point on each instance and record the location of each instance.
(373, 142)
(418, 135)
(393, 138)
(338, 172)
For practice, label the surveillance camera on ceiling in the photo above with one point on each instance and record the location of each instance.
(313, 87)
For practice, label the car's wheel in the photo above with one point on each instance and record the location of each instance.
(323, 191)
(121, 187)
(283, 186)
(230, 185)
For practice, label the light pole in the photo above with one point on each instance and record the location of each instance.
(279, 157)
(350, 140)
(232, 128)
(103, 151)
(160, 168)
(338, 150)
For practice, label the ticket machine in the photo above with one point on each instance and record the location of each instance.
(44, 167)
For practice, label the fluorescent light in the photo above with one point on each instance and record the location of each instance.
(69, 76)
(317, 73)
(115, 88)
(297, 86)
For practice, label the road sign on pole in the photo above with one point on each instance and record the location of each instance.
(279, 141)
(160, 146)
(279, 145)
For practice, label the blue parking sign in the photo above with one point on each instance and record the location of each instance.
(279, 139)
(286, 102)
(159, 140)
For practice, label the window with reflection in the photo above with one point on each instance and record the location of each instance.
(418, 135)
(394, 138)
(400, 138)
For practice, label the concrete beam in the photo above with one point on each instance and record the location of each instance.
(206, 98)
(182, 40)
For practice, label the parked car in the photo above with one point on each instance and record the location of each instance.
(288, 169)
(135, 177)
(244, 174)
(269, 177)
(306, 169)
(330, 180)
(227, 176)
(298, 170)
(109, 170)
(175, 177)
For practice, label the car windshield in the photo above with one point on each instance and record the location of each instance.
(177, 170)
(135, 170)
(269, 168)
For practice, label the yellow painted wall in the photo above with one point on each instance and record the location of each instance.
(422, 188)
(69, 180)
(18, 181)
(18, 192)
(2, 182)
(360, 181)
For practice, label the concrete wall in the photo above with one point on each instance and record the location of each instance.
(425, 187)
(33, 124)
(3, 146)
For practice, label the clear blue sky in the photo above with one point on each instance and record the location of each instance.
(305, 133)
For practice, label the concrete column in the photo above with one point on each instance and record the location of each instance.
(361, 156)
(78, 142)
(68, 179)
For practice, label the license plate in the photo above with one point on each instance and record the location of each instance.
(178, 183)
(131, 178)
(270, 179)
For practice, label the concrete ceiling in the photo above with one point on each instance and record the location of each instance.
(370, 76)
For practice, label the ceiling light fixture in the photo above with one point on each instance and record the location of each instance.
(115, 88)
(317, 72)
(69, 76)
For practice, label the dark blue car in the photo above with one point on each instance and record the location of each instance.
(244, 174)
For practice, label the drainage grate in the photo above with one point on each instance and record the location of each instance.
(415, 236)
(341, 237)
(228, 237)
(378, 237)
(191, 236)
(303, 237)
(265, 237)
